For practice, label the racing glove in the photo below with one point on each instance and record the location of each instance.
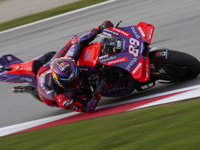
(104, 25)
(63, 101)
(70, 104)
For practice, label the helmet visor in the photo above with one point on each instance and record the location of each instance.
(72, 84)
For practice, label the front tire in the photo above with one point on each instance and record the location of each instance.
(180, 66)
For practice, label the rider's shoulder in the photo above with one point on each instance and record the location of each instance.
(46, 76)
(46, 80)
(42, 71)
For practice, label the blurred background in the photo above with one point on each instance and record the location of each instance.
(12, 9)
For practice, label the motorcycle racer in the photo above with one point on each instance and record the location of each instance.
(59, 79)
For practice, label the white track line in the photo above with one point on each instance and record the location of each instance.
(157, 95)
(61, 15)
(179, 97)
(26, 125)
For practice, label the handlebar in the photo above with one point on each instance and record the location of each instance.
(118, 24)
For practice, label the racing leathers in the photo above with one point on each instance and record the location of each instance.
(53, 95)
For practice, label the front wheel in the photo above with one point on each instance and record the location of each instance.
(178, 67)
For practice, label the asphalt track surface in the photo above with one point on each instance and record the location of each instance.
(177, 27)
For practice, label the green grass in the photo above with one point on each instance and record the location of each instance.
(174, 127)
(46, 14)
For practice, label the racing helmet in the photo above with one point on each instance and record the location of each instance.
(111, 44)
(65, 73)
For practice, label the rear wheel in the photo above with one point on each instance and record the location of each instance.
(178, 67)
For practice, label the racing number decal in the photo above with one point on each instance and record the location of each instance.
(133, 48)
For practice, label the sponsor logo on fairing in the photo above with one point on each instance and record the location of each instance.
(121, 32)
(124, 45)
(87, 55)
(105, 33)
(107, 59)
(141, 31)
(116, 88)
(142, 48)
(147, 74)
(137, 68)
(83, 69)
(131, 64)
(150, 35)
(103, 56)
(135, 32)
(117, 61)
(112, 32)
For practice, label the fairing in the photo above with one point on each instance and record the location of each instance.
(20, 71)
(134, 51)
(133, 56)
(89, 58)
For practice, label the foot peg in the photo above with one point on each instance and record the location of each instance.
(23, 89)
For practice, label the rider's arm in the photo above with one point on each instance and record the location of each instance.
(61, 52)
(84, 39)
(73, 46)
(45, 90)
(79, 42)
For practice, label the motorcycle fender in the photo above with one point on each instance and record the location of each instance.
(158, 56)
